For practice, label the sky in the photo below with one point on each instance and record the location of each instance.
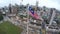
(47, 3)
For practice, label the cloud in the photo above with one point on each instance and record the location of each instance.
(4, 3)
(48, 3)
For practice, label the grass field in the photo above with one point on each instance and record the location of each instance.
(8, 28)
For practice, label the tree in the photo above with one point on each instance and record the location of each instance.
(45, 19)
(1, 17)
(59, 33)
(58, 21)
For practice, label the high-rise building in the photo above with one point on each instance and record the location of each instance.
(10, 8)
(14, 10)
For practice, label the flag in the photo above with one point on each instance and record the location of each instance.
(33, 13)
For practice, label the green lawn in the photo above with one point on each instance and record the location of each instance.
(8, 28)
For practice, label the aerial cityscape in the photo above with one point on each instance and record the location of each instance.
(29, 19)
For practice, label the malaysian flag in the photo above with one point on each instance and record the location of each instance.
(33, 13)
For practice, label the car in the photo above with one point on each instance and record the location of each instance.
(56, 28)
(52, 27)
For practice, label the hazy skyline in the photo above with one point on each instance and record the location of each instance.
(47, 3)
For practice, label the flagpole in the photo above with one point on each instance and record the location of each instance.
(27, 18)
(27, 28)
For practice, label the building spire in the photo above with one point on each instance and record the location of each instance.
(37, 3)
